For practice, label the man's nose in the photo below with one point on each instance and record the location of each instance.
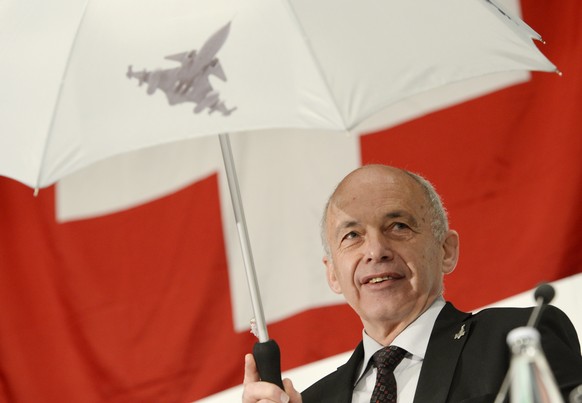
(377, 248)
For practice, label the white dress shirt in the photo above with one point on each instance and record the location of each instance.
(414, 339)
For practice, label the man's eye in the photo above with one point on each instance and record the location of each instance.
(350, 235)
(399, 226)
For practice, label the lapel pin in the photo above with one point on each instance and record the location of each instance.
(460, 334)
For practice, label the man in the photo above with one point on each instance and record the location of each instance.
(388, 247)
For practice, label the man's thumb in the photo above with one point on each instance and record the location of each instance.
(295, 396)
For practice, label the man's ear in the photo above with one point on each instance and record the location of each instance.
(451, 251)
(332, 279)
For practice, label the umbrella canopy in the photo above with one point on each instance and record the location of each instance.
(87, 80)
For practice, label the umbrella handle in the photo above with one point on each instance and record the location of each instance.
(268, 358)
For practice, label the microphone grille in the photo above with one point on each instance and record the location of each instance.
(546, 292)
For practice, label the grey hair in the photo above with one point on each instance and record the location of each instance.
(437, 211)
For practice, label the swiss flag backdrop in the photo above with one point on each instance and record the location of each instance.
(135, 306)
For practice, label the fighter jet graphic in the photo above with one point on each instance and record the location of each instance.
(189, 82)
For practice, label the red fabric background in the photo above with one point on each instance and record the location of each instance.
(91, 314)
(509, 167)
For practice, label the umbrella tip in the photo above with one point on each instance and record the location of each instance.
(36, 190)
(558, 72)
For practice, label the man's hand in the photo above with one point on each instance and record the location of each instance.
(256, 391)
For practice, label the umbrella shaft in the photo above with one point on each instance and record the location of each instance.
(243, 237)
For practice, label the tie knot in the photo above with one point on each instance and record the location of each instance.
(388, 358)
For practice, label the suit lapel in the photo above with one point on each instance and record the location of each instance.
(447, 339)
(337, 387)
(345, 376)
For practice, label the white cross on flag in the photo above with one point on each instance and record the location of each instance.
(129, 286)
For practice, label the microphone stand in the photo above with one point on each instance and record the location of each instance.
(543, 295)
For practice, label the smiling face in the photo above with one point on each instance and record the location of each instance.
(384, 257)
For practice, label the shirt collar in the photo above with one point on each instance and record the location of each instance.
(414, 339)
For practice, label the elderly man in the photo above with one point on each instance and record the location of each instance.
(388, 247)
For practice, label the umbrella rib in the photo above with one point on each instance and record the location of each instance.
(58, 97)
(316, 60)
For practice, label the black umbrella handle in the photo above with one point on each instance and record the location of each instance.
(268, 358)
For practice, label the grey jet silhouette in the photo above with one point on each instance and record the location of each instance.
(189, 82)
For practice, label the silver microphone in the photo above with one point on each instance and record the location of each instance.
(576, 395)
(543, 295)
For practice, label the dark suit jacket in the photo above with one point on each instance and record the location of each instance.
(470, 369)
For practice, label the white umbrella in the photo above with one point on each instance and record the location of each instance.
(319, 64)
(71, 84)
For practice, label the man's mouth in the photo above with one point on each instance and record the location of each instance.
(380, 279)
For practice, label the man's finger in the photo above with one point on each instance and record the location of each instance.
(294, 395)
(256, 391)
(251, 372)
